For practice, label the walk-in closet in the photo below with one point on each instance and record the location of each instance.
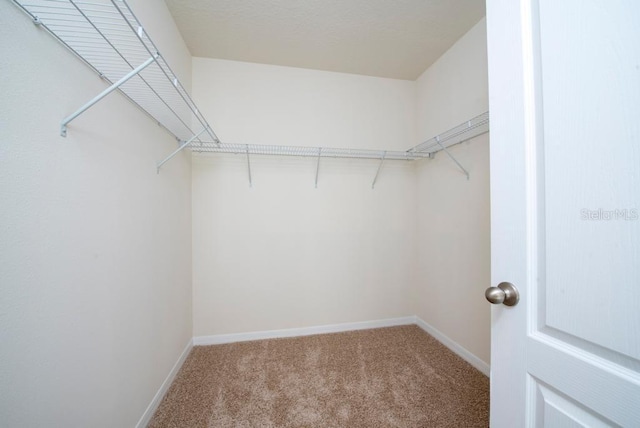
(223, 214)
(165, 199)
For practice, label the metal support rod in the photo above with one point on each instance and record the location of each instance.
(318, 165)
(384, 154)
(452, 158)
(178, 150)
(129, 75)
(249, 167)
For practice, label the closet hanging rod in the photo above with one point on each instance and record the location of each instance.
(108, 37)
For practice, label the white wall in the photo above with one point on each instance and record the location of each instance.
(95, 264)
(284, 254)
(454, 223)
(266, 104)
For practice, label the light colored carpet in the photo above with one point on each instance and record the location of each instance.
(387, 377)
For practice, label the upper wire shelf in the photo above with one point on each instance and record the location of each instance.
(108, 37)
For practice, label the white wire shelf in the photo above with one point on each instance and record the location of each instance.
(465, 131)
(314, 152)
(107, 36)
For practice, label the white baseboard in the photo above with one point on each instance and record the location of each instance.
(151, 409)
(219, 339)
(304, 331)
(455, 347)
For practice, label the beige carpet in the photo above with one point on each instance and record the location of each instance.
(387, 377)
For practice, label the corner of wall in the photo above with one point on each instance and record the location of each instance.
(454, 239)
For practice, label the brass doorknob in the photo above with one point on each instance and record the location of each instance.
(505, 293)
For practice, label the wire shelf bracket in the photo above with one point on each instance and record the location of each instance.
(134, 72)
(249, 167)
(373, 184)
(318, 165)
(178, 150)
(444, 149)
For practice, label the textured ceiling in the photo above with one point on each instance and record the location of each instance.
(385, 38)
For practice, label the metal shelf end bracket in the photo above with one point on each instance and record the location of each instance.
(101, 95)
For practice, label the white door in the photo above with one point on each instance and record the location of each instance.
(564, 90)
